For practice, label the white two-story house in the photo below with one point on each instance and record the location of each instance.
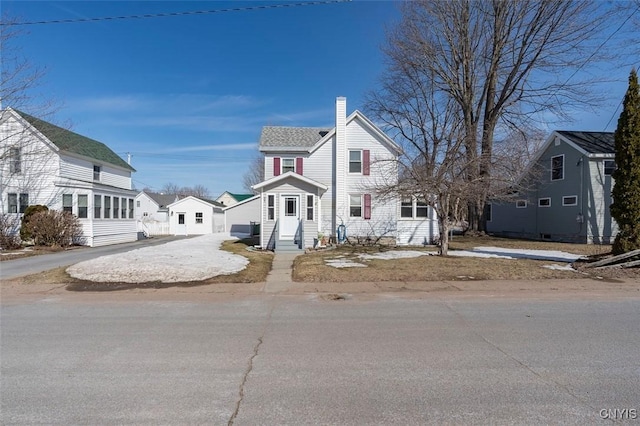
(322, 182)
(48, 165)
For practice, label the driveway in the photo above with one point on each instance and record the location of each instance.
(34, 264)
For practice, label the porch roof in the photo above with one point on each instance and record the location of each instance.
(292, 175)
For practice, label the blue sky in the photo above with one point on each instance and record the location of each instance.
(187, 96)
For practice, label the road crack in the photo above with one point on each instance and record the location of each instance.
(545, 379)
(249, 369)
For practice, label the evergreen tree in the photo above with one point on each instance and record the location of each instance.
(626, 191)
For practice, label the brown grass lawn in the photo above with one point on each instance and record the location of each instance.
(312, 268)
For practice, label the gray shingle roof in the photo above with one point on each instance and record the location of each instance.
(163, 200)
(69, 141)
(592, 142)
(293, 137)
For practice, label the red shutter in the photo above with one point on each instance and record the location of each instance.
(365, 162)
(276, 166)
(299, 165)
(367, 206)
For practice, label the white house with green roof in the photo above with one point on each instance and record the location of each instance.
(229, 198)
(52, 166)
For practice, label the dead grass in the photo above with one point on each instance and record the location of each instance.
(312, 267)
(30, 251)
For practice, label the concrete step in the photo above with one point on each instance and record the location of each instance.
(287, 246)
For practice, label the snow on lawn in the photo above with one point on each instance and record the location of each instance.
(192, 259)
(344, 263)
(483, 252)
(552, 255)
(556, 267)
(397, 254)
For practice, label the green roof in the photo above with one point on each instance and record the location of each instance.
(241, 197)
(71, 142)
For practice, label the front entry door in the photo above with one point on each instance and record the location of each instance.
(289, 215)
(181, 229)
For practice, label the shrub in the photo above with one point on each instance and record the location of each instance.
(9, 232)
(54, 228)
(30, 211)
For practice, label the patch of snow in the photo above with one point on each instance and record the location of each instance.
(556, 267)
(552, 255)
(344, 263)
(396, 254)
(465, 253)
(192, 259)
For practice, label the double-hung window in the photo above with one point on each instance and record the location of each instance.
(271, 207)
(116, 207)
(288, 165)
(15, 161)
(355, 161)
(12, 203)
(355, 205)
(24, 202)
(97, 206)
(422, 208)
(557, 167)
(123, 208)
(96, 172)
(406, 207)
(310, 207)
(17, 203)
(107, 207)
(199, 217)
(130, 208)
(67, 203)
(83, 206)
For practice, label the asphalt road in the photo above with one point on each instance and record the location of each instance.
(34, 264)
(375, 359)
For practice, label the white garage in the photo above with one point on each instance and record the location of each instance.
(195, 216)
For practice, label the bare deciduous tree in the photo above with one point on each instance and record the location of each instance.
(199, 191)
(24, 160)
(255, 174)
(428, 125)
(503, 63)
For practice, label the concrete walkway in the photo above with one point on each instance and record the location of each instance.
(279, 278)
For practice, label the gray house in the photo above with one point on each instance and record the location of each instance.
(568, 192)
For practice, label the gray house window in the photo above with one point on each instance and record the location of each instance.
(521, 204)
(570, 200)
(355, 161)
(544, 202)
(557, 167)
(609, 167)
